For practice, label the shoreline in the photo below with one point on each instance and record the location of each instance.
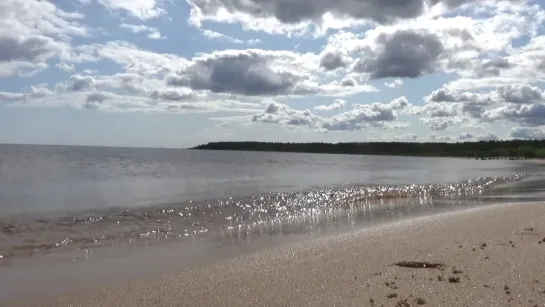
(491, 256)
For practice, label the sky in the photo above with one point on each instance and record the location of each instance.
(173, 73)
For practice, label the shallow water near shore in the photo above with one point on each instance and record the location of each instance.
(82, 216)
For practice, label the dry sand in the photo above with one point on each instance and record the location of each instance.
(487, 256)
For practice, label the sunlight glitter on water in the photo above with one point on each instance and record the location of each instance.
(241, 217)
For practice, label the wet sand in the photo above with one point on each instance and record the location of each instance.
(492, 256)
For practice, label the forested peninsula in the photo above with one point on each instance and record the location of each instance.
(513, 149)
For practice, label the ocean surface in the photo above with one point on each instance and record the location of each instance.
(62, 199)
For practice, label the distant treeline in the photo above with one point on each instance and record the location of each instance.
(482, 149)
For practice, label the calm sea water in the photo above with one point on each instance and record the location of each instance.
(64, 198)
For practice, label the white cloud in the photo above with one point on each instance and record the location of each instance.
(7, 96)
(219, 36)
(334, 60)
(440, 138)
(153, 33)
(467, 136)
(143, 9)
(157, 101)
(135, 28)
(254, 41)
(336, 105)
(397, 83)
(446, 94)
(526, 114)
(21, 68)
(408, 137)
(257, 72)
(477, 48)
(32, 33)
(35, 92)
(527, 133)
(28, 17)
(156, 35)
(375, 115)
(522, 104)
(66, 67)
(300, 17)
(130, 57)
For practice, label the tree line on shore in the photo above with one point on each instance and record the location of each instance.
(514, 149)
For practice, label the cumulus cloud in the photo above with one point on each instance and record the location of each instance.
(153, 33)
(520, 66)
(467, 136)
(397, 83)
(446, 94)
(298, 15)
(439, 138)
(256, 72)
(130, 57)
(94, 99)
(27, 17)
(526, 114)
(162, 101)
(527, 133)
(156, 35)
(470, 136)
(143, 9)
(78, 82)
(135, 28)
(408, 137)
(331, 61)
(10, 97)
(32, 33)
(376, 115)
(475, 44)
(35, 92)
(294, 12)
(349, 82)
(491, 67)
(220, 36)
(336, 105)
(524, 93)
(440, 123)
(30, 48)
(404, 54)
(173, 94)
(523, 104)
(437, 110)
(247, 73)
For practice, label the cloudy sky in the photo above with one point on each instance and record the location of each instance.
(177, 73)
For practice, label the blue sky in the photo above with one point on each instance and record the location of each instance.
(169, 73)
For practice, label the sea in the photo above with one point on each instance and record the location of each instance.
(69, 203)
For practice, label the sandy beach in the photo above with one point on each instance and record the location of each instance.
(492, 256)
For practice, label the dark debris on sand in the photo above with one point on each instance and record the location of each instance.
(419, 265)
(456, 270)
(454, 279)
(391, 285)
(391, 295)
(403, 303)
(420, 301)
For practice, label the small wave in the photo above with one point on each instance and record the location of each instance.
(26, 237)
